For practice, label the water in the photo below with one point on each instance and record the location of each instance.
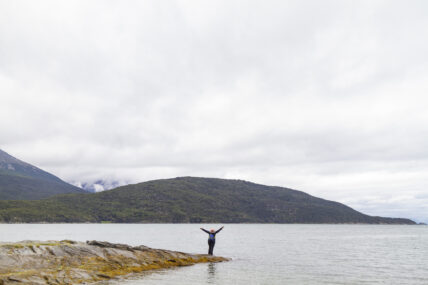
(264, 254)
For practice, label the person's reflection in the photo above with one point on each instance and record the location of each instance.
(211, 272)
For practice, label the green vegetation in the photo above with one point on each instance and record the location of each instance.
(19, 187)
(22, 181)
(188, 200)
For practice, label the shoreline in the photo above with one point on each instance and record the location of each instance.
(71, 262)
(213, 223)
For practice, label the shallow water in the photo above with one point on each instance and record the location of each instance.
(264, 254)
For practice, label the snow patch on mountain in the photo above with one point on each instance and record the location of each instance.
(99, 185)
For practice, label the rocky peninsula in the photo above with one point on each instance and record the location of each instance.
(71, 262)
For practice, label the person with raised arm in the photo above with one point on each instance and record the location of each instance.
(211, 239)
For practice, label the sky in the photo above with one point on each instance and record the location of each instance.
(328, 97)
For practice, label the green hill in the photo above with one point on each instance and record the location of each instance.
(189, 200)
(22, 181)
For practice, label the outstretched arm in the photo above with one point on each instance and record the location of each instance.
(219, 230)
(205, 230)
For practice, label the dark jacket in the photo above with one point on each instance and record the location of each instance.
(211, 236)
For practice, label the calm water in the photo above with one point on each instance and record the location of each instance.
(265, 254)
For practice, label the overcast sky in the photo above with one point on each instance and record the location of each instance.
(328, 97)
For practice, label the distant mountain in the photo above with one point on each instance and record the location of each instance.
(189, 200)
(98, 185)
(20, 181)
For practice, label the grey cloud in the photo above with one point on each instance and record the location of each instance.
(327, 97)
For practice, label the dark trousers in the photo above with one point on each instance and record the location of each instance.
(211, 244)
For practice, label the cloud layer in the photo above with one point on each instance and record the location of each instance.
(326, 97)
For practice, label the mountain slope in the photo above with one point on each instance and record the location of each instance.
(20, 181)
(189, 199)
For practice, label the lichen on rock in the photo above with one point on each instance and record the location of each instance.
(70, 262)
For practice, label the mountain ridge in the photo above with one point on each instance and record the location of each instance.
(189, 200)
(20, 180)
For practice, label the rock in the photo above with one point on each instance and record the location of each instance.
(13, 279)
(70, 262)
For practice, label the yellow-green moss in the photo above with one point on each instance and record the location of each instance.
(59, 269)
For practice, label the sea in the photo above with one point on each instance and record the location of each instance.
(263, 253)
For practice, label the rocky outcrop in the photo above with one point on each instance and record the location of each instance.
(70, 262)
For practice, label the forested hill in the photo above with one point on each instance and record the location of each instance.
(22, 181)
(189, 200)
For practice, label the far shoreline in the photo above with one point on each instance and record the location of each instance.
(213, 223)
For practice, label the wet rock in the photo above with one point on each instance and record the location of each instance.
(70, 262)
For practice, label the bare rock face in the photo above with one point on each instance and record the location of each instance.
(70, 262)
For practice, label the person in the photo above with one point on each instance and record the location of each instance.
(211, 239)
